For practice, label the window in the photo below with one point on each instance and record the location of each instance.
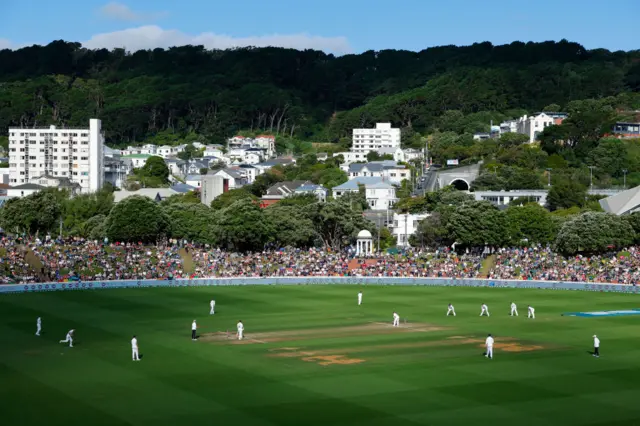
(32, 157)
(75, 158)
(65, 158)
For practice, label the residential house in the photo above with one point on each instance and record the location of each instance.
(351, 157)
(236, 178)
(267, 143)
(193, 167)
(281, 161)
(250, 172)
(319, 191)
(404, 226)
(175, 166)
(253, 156)
(532, 126)
(164, 151)
(156, 194)
(380, 195)
(56, 182)
(3, 189)
(193, 180)
(280, 191)
(213, 151)
(413, 154)
(23, 190)
(396, 152)
(180, 148)
(481, 136)
(116, 170)
(322, 156)
(389, 170)
(149, 148)
(137, 160)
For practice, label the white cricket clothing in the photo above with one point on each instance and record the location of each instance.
(489, 344)
(194, 326)
(213, 307)
(134, 349)
(451, 310)
(514, 309)
(240, 330)
(396, 320)
(69, 339)
(532, 313)
(359, 298)
(38, 326)
(596, 342)
(484, 310)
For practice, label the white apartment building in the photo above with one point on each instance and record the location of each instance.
(405, 225)
(76, 154)
(533, 125)
(383, 136)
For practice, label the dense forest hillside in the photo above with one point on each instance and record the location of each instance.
(308, 94)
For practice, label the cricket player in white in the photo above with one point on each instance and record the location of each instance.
(451, 310)
(240, 330)
(596, 346)
(38, 326)
(213, 307)
(359, 298)
(489, 344)
(194, 328)
(69, 338)
(514, 309)
(484, 310)
(396, 319)
(531, 312)
(134, 349)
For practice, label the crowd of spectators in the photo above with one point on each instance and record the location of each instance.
(33, 260)
(542, 263)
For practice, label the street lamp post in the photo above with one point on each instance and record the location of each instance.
(624, 178)
(549, 176)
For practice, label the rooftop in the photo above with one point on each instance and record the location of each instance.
(137, 156)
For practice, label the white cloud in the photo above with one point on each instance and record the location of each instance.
(122, 12)
(5, 44)
(152, 36)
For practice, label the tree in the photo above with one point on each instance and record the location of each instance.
(432, 232)
(337, 224)
(136, 219)
(509, 140)
(94, 228)
(189, 221)
(594, 232)
(374, 156)
(36, 213)
(488, 182)
(292, 225)
(552, 108)
(530, 222)
(566, 194)
(478, 223)
(189, 152)
(154, 171)
(226, 199)
(81, 208)
(242, 227)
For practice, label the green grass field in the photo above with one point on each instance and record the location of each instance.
(313, 357)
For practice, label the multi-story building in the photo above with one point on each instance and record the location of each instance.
(388, 170)
(405, 225)
(76, 154)
(383, 136)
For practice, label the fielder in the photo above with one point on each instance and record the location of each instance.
(240, 327)
(396, 319)
(451, 310)
(69, 338)
(484, 310)
(194, 327)
(134, 349)
(596, 346)
(360, 298)
(489, 345)
(38, 326)
(531, 312)
(213, 307)
(514, 309)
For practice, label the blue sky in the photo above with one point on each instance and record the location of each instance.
(339, 26)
